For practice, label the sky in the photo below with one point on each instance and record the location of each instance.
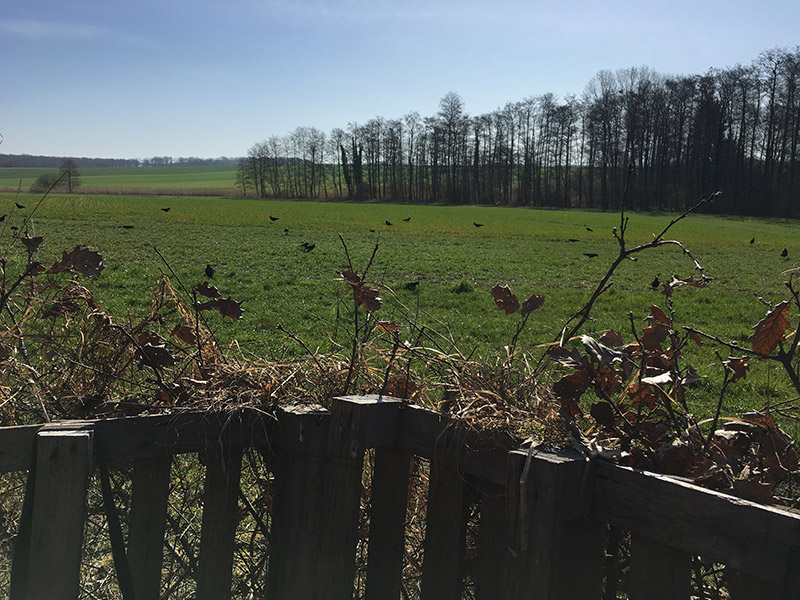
(143, 78)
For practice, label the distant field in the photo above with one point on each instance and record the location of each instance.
(208, 179)
(456, 263)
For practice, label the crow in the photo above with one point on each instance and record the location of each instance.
(310, 247)
(127, 226)
(271, 218)
(589, 229)
(166, 209)
(18, 205)
(590, 254)
(388, 223)
(3, 218)
(573, 240)
(478, 224)
(209, 271)
(407, 219)
(753, 241)
(655, 283)
(285, 231)
(785, 252)
(411, 286)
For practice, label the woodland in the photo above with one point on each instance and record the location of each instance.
(735, 129)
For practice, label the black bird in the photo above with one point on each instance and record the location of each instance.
(3, 218)
(18, 205)
(388, 223)
(372, 231)
(271, 218)
(127, 226)
(478, 224)
(309, 247)
(14, 228)
(407, 219)
(589, 229)
(590, 254)
(166, 209)
(753, 241)
(785, 253)
(304, 244)
(286, 231)
(411, 286)
(209, 271)
(573, 240)
(655, 283)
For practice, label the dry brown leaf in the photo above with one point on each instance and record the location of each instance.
(505, 299)
(771, 329)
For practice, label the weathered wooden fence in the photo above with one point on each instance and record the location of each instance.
(543, 522)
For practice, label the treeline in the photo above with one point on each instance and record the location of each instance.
(53, 162)
(674, 138)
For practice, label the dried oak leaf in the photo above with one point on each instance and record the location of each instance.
(658, 316)
(771, 329)
(400, 387)
(603, 414)
(572, 385)
(159, 356)
(388, 326)
(567, 358)
(612, 338)
(351, 277)
(505, 299)
(531, 304)
(32, 244)
(676, 282)
(737, 367)
(368, 298)
(642, 395)
(654, 336)
(209, 291)
(81, 259)
(185, 334)
(601, 355)
(227, 307)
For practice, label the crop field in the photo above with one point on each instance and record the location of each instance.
(255, 248)
(167, 180)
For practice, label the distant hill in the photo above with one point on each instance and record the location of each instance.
(53, 162)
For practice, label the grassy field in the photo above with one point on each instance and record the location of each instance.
(206, 179)
(262, 263)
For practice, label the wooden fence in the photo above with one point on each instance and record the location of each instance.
(543, 521)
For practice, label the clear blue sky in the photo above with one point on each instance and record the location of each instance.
(140, 78)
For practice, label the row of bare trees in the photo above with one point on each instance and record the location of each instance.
(736, 129)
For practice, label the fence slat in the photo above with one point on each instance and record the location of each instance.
(658, 572)
(356, 424)
(220, 517)
(445, 530)
(560, 549)
(387, 524)
(298, 502)
(63, 466)
(492, 546)
(148, 515)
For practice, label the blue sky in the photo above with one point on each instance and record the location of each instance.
(140, 78)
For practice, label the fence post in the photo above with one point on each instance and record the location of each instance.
(64, 462)
(559, 550)
(357, 423)
(298, 503)
(148, 514)
(220, 517)
(492, 547)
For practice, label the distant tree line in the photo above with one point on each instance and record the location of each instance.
(681, 137)
(54, 162)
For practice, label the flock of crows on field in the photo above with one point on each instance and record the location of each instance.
(412, 285)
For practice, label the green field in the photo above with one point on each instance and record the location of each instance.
(167, 180)
(456, 263)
